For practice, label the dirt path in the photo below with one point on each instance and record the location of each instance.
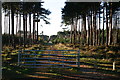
(83, 73)
(69, 74)
(74, 73)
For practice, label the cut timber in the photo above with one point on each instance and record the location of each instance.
(113, 65)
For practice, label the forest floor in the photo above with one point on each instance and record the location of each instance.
(95, 64)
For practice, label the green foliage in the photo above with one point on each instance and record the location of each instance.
(7, 39)
(61, 40)
(27, 8)
(75, 9)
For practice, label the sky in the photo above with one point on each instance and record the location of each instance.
(55, 17)
(55, 7)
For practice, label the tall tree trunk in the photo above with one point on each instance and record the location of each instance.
(94, 27)
(20, 29)
(16, 23)
(74, 39)
(75, 31)
(24, 39)
(103, 28)
(110, 26)
(91, 26)
(79, 32)
(5, 25)
(96, 30)
(12, 20)
(26, 28)
(99, 31)
(116, 30)
(9, 30)
(88, 38)
(33, 28)
(30, 27)
(37, 28)
(106, 26)
(71, 36)
(85, 32)
(1, 33)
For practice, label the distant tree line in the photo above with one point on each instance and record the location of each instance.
(93, 23)
(24, 10)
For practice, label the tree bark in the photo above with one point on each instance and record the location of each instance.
(24, 38)
(106, 26)
(74, 39)
(30, 27)
(37, 28)
(94, 27)
(20, 29)
(79, 32)
(103, 28)
(12, 20)
(9, 29)
(117, 39)
(16, 23)
(99, 31)
(110, 27)
(76, 22)
(96, 30)
(88, 38)
(117, 31)
(71, 35)
(1, 38)
(84, 29)
(72, 29)
(26, 28)
(33, 28)
(91, 43)
(5, 25)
